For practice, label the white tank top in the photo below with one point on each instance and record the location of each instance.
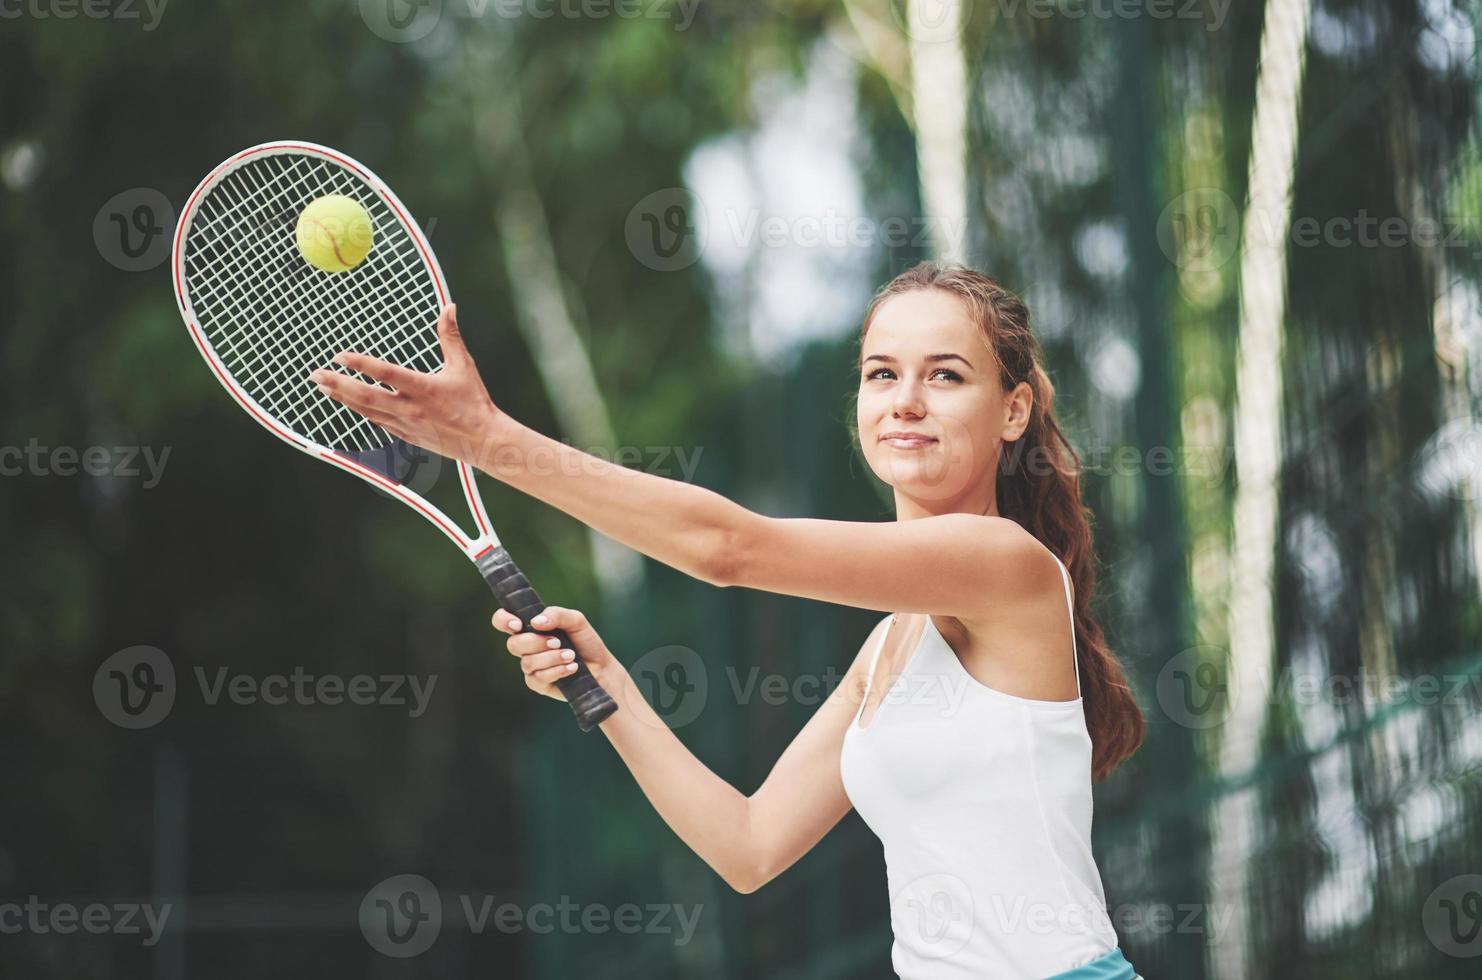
(982, 801)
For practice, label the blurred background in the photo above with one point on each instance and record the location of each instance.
(1248, 234)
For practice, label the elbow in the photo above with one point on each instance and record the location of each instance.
(750, 865)
(750, 878)
(727, 550)
(744, 886)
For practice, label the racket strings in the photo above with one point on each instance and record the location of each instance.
(333, 339)
(271, 318)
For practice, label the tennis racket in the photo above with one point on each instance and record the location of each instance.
(264, 318)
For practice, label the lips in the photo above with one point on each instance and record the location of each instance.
(907, 440)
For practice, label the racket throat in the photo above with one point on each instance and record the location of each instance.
(399, 461)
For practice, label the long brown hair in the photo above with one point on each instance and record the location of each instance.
(1039, 488)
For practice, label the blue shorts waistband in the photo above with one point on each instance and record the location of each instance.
(1112, 966)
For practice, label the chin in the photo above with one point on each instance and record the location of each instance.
(926, 479)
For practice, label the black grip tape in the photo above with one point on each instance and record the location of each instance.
(517, 597)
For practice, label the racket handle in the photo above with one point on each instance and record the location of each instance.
(517, 597)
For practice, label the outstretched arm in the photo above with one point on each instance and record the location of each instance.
(958, 565)
(748, 840)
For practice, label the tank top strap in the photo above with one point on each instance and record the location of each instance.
(1075, 657)
(874, 660)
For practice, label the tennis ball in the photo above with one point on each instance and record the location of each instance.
(335, 233)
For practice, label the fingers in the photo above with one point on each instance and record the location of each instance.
(552, 663)
(543, 659)
(385, 372)
(528, 644)
(366, 399)
(450, 338)
(559, 617)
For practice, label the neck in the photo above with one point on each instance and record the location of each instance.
(909, 509)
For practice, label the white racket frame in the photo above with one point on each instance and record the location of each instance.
(475, 546)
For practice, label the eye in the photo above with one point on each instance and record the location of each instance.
(877, 373)
(947, 373)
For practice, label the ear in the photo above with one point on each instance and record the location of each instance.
(1017, 407)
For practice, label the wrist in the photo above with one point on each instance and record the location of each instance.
(495, 454)
(612, 676)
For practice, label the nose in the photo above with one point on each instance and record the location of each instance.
(908, 401)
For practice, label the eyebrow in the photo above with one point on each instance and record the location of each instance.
(930, 358)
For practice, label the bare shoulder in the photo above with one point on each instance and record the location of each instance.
(1030, 570)
(1021, 643)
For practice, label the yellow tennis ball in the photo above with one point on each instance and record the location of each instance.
(335, 233)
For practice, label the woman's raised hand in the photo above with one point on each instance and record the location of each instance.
(449, 413)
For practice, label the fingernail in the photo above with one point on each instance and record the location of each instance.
(553, 643)
(542, 620)
(326, 391)
(339, 359)
(514, 624)
(567, 655)
(570, 668)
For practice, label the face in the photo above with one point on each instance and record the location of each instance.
(932, 415)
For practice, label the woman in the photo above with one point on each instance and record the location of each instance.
(990, 700)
